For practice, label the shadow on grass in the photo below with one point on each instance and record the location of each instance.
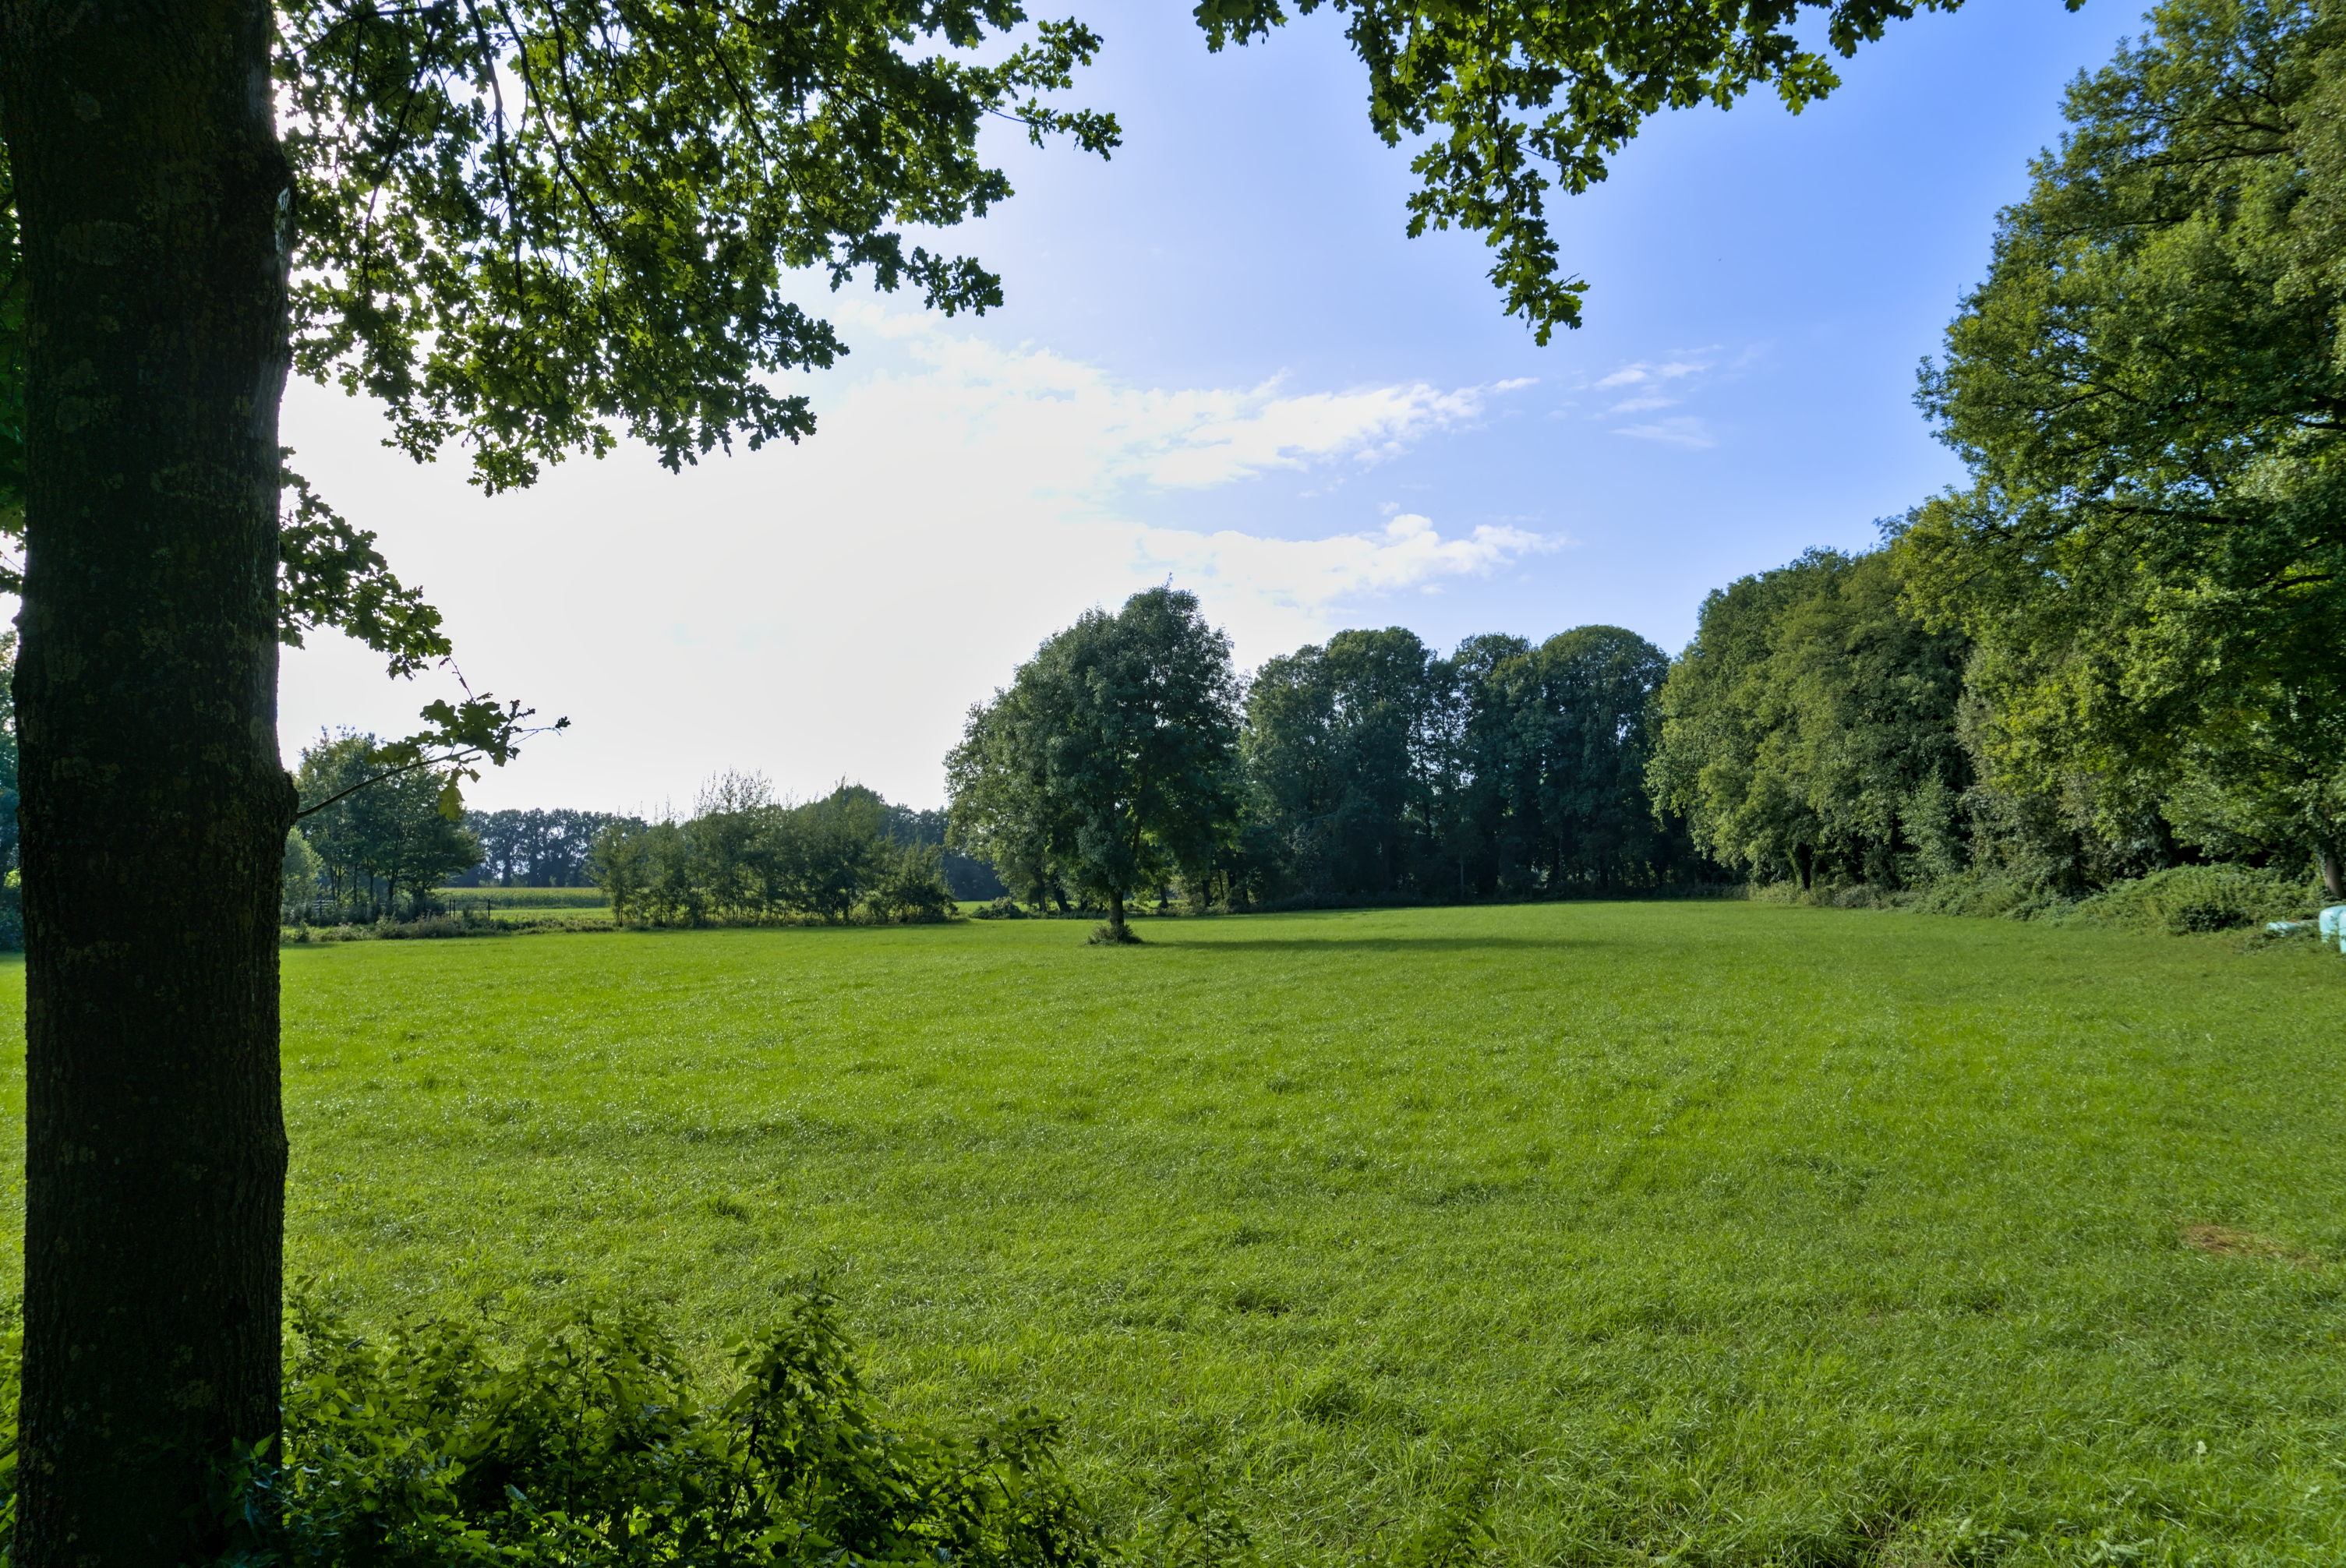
(1380, 943)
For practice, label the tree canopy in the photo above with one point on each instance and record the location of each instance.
(2150, 390)
(1110, 760)
(1810, 730)
(1519, 98)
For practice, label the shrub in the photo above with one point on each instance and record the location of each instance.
(591, 1445)
(1995, 893)
(2187, 899)
(913, 888)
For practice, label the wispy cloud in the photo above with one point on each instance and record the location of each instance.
(1313, 576)
(1175, 439)
(1644, 373)
(1672, 380)
(1683, 431)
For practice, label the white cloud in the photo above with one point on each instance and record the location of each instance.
(1316, 575)
(832, 608)
(1644, 373)
(1682, 430)
(1670, 382)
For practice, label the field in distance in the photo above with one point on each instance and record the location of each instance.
(525, 898)
(1721, 1233)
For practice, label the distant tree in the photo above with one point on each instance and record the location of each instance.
(743, 857)
(1112, 758)
(1494, 849)
(533, 848)
(1376, 768)
(912, 885)
(332, 773)
(1347, 750)
(303, 866)
(1811, 728)
(620, 864)
(377, 828)
(965, 875)
(1576, 766)
(829, 854)
(503, 858)
(999, 812)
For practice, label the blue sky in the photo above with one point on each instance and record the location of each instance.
(1220, 360)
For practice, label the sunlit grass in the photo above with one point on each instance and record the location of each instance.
(1710, 1233)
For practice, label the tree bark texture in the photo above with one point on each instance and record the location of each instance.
(155, 205)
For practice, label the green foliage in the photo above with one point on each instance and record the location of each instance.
(1514, 99)
(1110, 762)
(742, 857)
(610, 247)
(592, 1442)
(378, 825)
(532, 849)
(298, 888)
(1810, 730)
(2180, 901)
(1366, 770)
(2152, 559)
(1004, 908)
(1571, 724)
(1347, 750)
(2183, 900)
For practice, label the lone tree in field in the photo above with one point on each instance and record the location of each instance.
(526, 227)
(1112, 756)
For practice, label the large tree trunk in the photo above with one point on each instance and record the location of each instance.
(2333, 877)
(154, 202)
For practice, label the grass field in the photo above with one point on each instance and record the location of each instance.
(1719, 1233)
(503, 899)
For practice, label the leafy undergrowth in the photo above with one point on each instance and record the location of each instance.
(1721, 1233)
(589, 1439)
(592, 1442)
(2182, 900)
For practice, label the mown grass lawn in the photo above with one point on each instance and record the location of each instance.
(1693, 1232)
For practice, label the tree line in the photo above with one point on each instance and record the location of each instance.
(1127, 757)
(744, 857)
(378, 844)
(2148, 570)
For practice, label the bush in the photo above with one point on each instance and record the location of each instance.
(2188, 899)
(591, 1445)
(913, 888)
(1004, 907)
(1995, 894)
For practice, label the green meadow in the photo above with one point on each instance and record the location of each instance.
(1687, 1233)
